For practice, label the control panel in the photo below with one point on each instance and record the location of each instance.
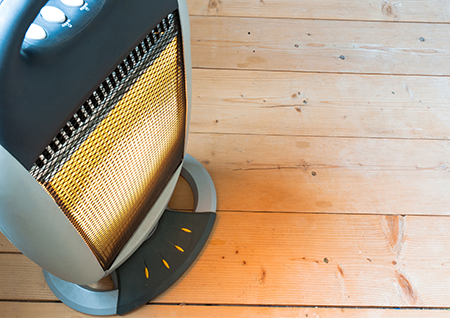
(59, 20)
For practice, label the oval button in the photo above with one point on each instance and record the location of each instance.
(36, 32)
(73, 3)
(53, 14)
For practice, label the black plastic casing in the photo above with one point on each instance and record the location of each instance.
(43, 83)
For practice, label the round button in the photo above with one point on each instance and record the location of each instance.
(36, 32)
(53, 14)
(73, 3)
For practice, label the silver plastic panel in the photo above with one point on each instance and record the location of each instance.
(33, 222)
(201, 184)
(82, 298)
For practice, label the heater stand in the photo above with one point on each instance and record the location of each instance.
(159, 261)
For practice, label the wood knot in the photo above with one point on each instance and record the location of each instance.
(340, 271)
(262, 280)
(214, 5)
(393, 226)
(407, 289)
(388, 10)
(303, 165)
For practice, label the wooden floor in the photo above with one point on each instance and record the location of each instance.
(325, 126)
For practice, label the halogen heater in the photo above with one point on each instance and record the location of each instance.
(94, 114)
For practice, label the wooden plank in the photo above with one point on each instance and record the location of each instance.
(298, 259)
(58, 310)
(22, 279)
(6, 246)
(312, 104)
(320, 46)
(335, 175)
(363, 10)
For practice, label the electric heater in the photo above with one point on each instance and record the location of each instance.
(94, 114)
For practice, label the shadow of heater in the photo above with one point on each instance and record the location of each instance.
(94, 114)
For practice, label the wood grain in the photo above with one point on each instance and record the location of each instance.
(320, 46)
(312, 104)
(298, 259)
(362, 10)
(57, 310)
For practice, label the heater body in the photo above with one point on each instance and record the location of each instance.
(86, 78)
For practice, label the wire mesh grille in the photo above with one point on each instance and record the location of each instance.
(109, 163)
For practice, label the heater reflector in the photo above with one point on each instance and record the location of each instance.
(109, 163)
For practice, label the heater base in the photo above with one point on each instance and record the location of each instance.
(158, 262)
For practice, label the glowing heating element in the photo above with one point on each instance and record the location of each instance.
(109, 183)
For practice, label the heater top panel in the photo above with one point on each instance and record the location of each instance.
(43, 85)
(59, 20)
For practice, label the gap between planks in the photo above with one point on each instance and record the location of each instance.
(57, 310)
(315, 72)
(361, 10)
(312, 19)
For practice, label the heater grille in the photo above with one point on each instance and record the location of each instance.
(109, 163)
